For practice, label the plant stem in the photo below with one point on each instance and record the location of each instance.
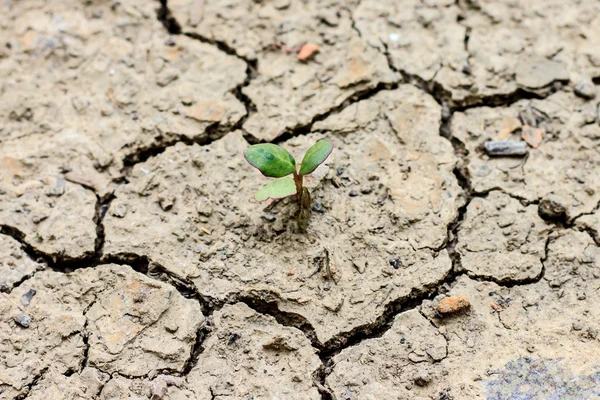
(298, 181)
(304, 202)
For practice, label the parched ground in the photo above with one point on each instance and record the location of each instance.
(134, 263)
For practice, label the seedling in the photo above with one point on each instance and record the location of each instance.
(276, 162)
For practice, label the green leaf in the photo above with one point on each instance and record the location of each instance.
(277, 189)
(315, 156)
(270, 159)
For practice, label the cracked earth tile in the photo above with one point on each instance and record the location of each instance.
(55, 216)
(287, 92)
(540, 40)
(388, 367)
(189, 210)
(249, 355)
(143, 320)
(480, 49)
(573, 259)
(15, 265)
(88, 87)
(53, 338)
(124, 315)
(555, 318)
(423, 39)
(561, 173)
(79, 386)
(501, 239)
(132, 78)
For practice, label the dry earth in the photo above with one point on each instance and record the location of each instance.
(134, 264)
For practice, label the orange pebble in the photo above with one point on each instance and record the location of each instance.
(453, 304)
(307, 51)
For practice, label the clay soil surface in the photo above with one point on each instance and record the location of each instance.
(453, 250)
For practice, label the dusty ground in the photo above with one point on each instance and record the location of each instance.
(134, 264)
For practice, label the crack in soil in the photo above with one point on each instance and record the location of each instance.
(34, 382)
(86, 335)
(444, 97)
(59, 262)
(173, 27)
(353, 98)
(260, 302)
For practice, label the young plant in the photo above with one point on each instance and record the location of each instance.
(276, 162)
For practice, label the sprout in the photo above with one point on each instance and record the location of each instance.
(276, 162)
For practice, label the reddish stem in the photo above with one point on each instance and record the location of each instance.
(298, 181)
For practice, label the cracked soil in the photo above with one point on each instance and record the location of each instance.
(453, 250)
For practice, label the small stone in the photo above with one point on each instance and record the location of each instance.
(422, 378)
(533, 136)
(119, 211)
(551, 208)
(166, 202)
(452, 305)
(26, 298)
(204, 209)
(23, 320)
(58, 189)
(360, 265)
(353, 193)
(585, 88)
(232, 339)
(395, 263)
(317, 207)
(308, 51)
(505, 148)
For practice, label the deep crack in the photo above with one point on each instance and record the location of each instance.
(352, 99)
(34, 382)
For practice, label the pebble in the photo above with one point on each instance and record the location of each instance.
(551, 208)
(26, 298)
(422, 378)
(533, 136)
(451, 305)
(58, 189)
(395, 262)
(232, 339)
(308, 51)
(317, 207)
(23, 320)
(353, 193)
(506, 148)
